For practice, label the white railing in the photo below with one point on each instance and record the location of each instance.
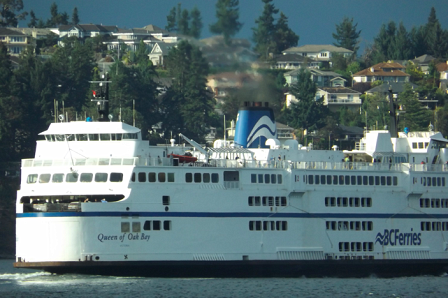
(239, 163)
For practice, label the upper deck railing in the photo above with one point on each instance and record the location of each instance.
(239, 163)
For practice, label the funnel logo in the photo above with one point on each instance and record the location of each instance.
(264, 127)
(393, 237)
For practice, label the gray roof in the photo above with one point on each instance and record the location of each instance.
(423, 59)
(88, 27)
(316, 49)
(6, 31)
(396, 87)
(342, 90)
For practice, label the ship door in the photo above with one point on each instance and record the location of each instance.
(231, 179)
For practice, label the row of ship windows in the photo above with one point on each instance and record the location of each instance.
(431, 181)
(153, 177)
(268, 225)
(351, 180)
(434, 226)
(74, 177)
(433, 203)
(349, 225)
(149, 225)
(348, 202)
(266, 178)
(267, 201)
(355, 246)
(92, 137)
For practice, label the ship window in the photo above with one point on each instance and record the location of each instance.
(258, 225)
(49, 138)
(156, 225)
(359, 180)
(81, 137)
(100, 177)
(57, 178)
(206, 178)
(93, 137)
(71, 177)
(414, 145)
(439, 181)
(273, 178)
(434, 181)
(133, 177)
(86, 177)
(420, 145)
(251, 225)
(347, 180)
(280, 179)
(443, 181)
(383, 180)
(328, 179)
(197, 177)
(151, 177)
(428, 180)
(267, 178)
(170, 177)
(335, 180)
(129, 136)
(116, 137)
(316, 179)
(147, 225)
(104, 137)
(44, 178)
(32, 178)
(215, 178)
(161, 177)
(116, 177)
(260, 178)
(141, 177)
(253, 178)
(250, 201)
(60, 138)
(283, 201)
(125, 227)
(257, 201)
(377, 180)
(341, 180)
(136, 227)
(365, 180)
(389, 180)
(70, 137)
(167, 225)
(188, 177)
(371, 180)
(322, 179)
(310, 179)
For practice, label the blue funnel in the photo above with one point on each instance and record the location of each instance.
(254, 125)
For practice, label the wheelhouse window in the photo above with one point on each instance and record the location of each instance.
(101, 177)
(71, 177)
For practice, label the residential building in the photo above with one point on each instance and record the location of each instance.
(395, 87)
(320, 77)
(83, 31)
(423, 62)
(159, 51)
(16, 42)
(318, 52)
(385, 71)
(294, 61)
(336, 97)
(442, 68)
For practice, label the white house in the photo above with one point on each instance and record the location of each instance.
(318, 52)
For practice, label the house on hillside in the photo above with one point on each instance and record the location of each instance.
(158, 53)
(395, 87)
(336, 97)
(16, 42)
(293, 61)
(83, 31)
(442, 68)
(423, 62)
(318, 52)
(320, 77)
(385, 71)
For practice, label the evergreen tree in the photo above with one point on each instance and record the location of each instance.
(184, 23)
(417, 39)
(264, 33)
(284, 36)
(196, 23)
(56, 18)
(416, 118)
(307, 113)
(9, 16)
(402, 49)
(75, 16)
(187, 99)
(33, 20)
(227, 13)
(347, 35)
(171, 20)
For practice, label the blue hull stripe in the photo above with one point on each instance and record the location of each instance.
(233, 215)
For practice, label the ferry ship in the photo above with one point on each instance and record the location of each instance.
(98, 199)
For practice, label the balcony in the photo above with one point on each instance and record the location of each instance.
(344, 101)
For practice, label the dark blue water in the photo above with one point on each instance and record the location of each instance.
(31, 283)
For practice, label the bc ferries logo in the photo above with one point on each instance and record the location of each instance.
(393, 237)
(264, 127)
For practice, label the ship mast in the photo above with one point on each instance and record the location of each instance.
(101, 97)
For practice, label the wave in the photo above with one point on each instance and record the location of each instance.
(22, 276)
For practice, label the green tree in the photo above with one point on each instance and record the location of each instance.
(184, 23)
(264, 33)
(347, 35)
(9, 12)
(416, 118)
(227, 24)
(171, 20)
(56, 18)
(188, 97)
(75, 16)
(196, 23)
(33, 20)
(402, 46)
(307, 113)
(284, 36)
(414, 71)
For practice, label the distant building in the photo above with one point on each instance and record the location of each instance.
(318, 52)
(15, 41)
(320, 77)
(386, 72)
